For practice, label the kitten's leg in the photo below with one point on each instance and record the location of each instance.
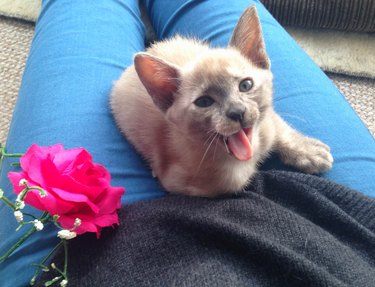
(307, 154)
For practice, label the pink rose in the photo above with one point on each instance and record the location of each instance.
(76, 187)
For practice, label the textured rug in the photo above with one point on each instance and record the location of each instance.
(14, 46)
(339, 52)
(22, 9)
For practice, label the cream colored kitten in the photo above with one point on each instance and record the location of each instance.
(203, 118)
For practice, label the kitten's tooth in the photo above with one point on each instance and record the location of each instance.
(225, 144)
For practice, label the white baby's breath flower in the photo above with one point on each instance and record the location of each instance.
(45, 269)
(20, 204)
(32, 281)
(1, 193)
(43, 193)
(66, 234)
(38, 225)
(18, 215)
(77, 222)
(64, 283)
(23, 182)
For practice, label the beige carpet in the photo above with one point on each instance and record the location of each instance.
(22, 9)
(339, 52)
(14, 46)
(15, 42)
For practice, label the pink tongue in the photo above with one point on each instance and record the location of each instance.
(240, 146)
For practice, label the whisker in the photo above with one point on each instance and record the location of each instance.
(205, 153)
(211, 133)
(286, 115)
(217, 141)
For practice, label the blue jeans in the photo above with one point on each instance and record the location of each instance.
(81, 46)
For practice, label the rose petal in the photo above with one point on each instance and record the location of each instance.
(67, 160)
(75, 198)
(39, 152)
(42, 170)
(75, 187)
(111, 200)
(15, 178)
(107, 220)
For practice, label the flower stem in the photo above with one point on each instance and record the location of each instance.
(64, 272)
(41, 265)
(66, 257)
(3, 153)
(18, 243)
(30, 215)
(8, 202)
(44, 218)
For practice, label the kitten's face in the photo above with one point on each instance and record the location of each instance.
(221, 94)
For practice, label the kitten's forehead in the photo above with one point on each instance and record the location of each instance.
(220, 65)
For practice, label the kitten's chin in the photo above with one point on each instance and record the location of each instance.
(239, 144)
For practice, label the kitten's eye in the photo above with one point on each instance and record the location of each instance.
(246, 85)
(204, 101)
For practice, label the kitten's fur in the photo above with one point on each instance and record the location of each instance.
(155, 105)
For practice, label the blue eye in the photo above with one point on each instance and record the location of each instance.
(204, 101)
(245, 85)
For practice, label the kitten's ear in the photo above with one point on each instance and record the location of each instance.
(160, 79)
(247, 37)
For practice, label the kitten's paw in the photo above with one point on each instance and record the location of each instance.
(309, 155)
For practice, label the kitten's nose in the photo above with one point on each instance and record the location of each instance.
(236, 113)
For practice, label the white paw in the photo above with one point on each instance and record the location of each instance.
(309, 155)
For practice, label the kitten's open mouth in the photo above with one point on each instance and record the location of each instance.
(239, 144)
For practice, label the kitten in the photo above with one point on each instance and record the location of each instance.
(203, 117)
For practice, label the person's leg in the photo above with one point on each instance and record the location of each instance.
(79, 49)
(303, 95)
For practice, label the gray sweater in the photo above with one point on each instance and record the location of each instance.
(287, 229)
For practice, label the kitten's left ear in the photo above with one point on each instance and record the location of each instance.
(247, 37)
(160, 79)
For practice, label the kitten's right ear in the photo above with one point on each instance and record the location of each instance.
(160, 79)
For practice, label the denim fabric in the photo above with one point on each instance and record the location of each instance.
(80, 47)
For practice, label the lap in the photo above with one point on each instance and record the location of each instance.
(81, 47)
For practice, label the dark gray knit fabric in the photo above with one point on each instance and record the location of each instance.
(288, 229)
(346, 15)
